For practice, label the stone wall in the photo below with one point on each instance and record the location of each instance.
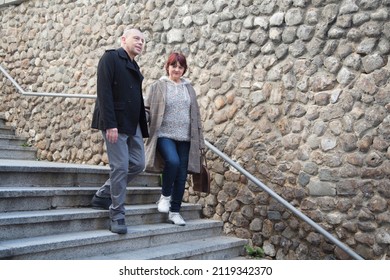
(296, 91)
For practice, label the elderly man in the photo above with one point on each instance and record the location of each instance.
(120, 115)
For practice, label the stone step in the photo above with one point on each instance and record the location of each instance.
(13, 147)
(45, 214)
(2, 119)
(93, 243)
(28, 173)
(42, 198)
(6, 130)
(11, 140)
(207, 248)
(17, 152)
(21, 224)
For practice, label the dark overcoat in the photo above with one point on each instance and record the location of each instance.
(119, 101)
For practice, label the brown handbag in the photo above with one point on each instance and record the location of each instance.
(201, 181)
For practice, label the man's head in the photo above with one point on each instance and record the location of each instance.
(133, 42)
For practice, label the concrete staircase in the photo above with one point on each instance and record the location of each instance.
(12, 146)
(45, 214)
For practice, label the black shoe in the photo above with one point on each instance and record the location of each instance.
(101, 202)
(118, 226)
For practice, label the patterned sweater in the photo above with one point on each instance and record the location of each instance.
(176, 121)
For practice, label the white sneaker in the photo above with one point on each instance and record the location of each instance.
(176, 218)
(163, 204)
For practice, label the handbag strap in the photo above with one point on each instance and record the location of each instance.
(203, 158)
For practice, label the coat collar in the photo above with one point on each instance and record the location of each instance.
(130, 64)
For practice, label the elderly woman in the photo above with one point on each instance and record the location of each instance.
(175, 137)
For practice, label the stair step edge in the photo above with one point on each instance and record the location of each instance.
(37, 216)
(53, 191)
(7, 165)
(179, 251)
(17, 148)
(74, 239)
(12, 137)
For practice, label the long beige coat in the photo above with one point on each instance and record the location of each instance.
(155, 107)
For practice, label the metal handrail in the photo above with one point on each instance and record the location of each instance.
(285, 203)
(228, 160)
(50, 94)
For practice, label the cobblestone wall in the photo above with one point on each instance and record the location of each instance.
(296, 91)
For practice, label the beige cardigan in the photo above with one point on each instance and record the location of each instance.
(155, 106)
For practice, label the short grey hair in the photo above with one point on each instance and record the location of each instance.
(127, 32)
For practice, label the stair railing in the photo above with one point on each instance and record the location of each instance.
(285, 203)
(50, 94)
(258, 183)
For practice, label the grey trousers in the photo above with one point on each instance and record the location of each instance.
(127, 159)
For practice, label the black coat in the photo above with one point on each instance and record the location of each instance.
(119, 102)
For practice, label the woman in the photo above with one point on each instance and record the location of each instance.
(175, 137)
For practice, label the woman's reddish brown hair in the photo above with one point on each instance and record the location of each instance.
(175, 58)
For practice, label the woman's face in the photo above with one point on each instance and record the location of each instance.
(175, 71)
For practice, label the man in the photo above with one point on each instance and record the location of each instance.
(120, 115)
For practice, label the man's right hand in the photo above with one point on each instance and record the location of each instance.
(112, 135)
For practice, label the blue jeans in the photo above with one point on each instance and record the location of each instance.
(175, 155)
